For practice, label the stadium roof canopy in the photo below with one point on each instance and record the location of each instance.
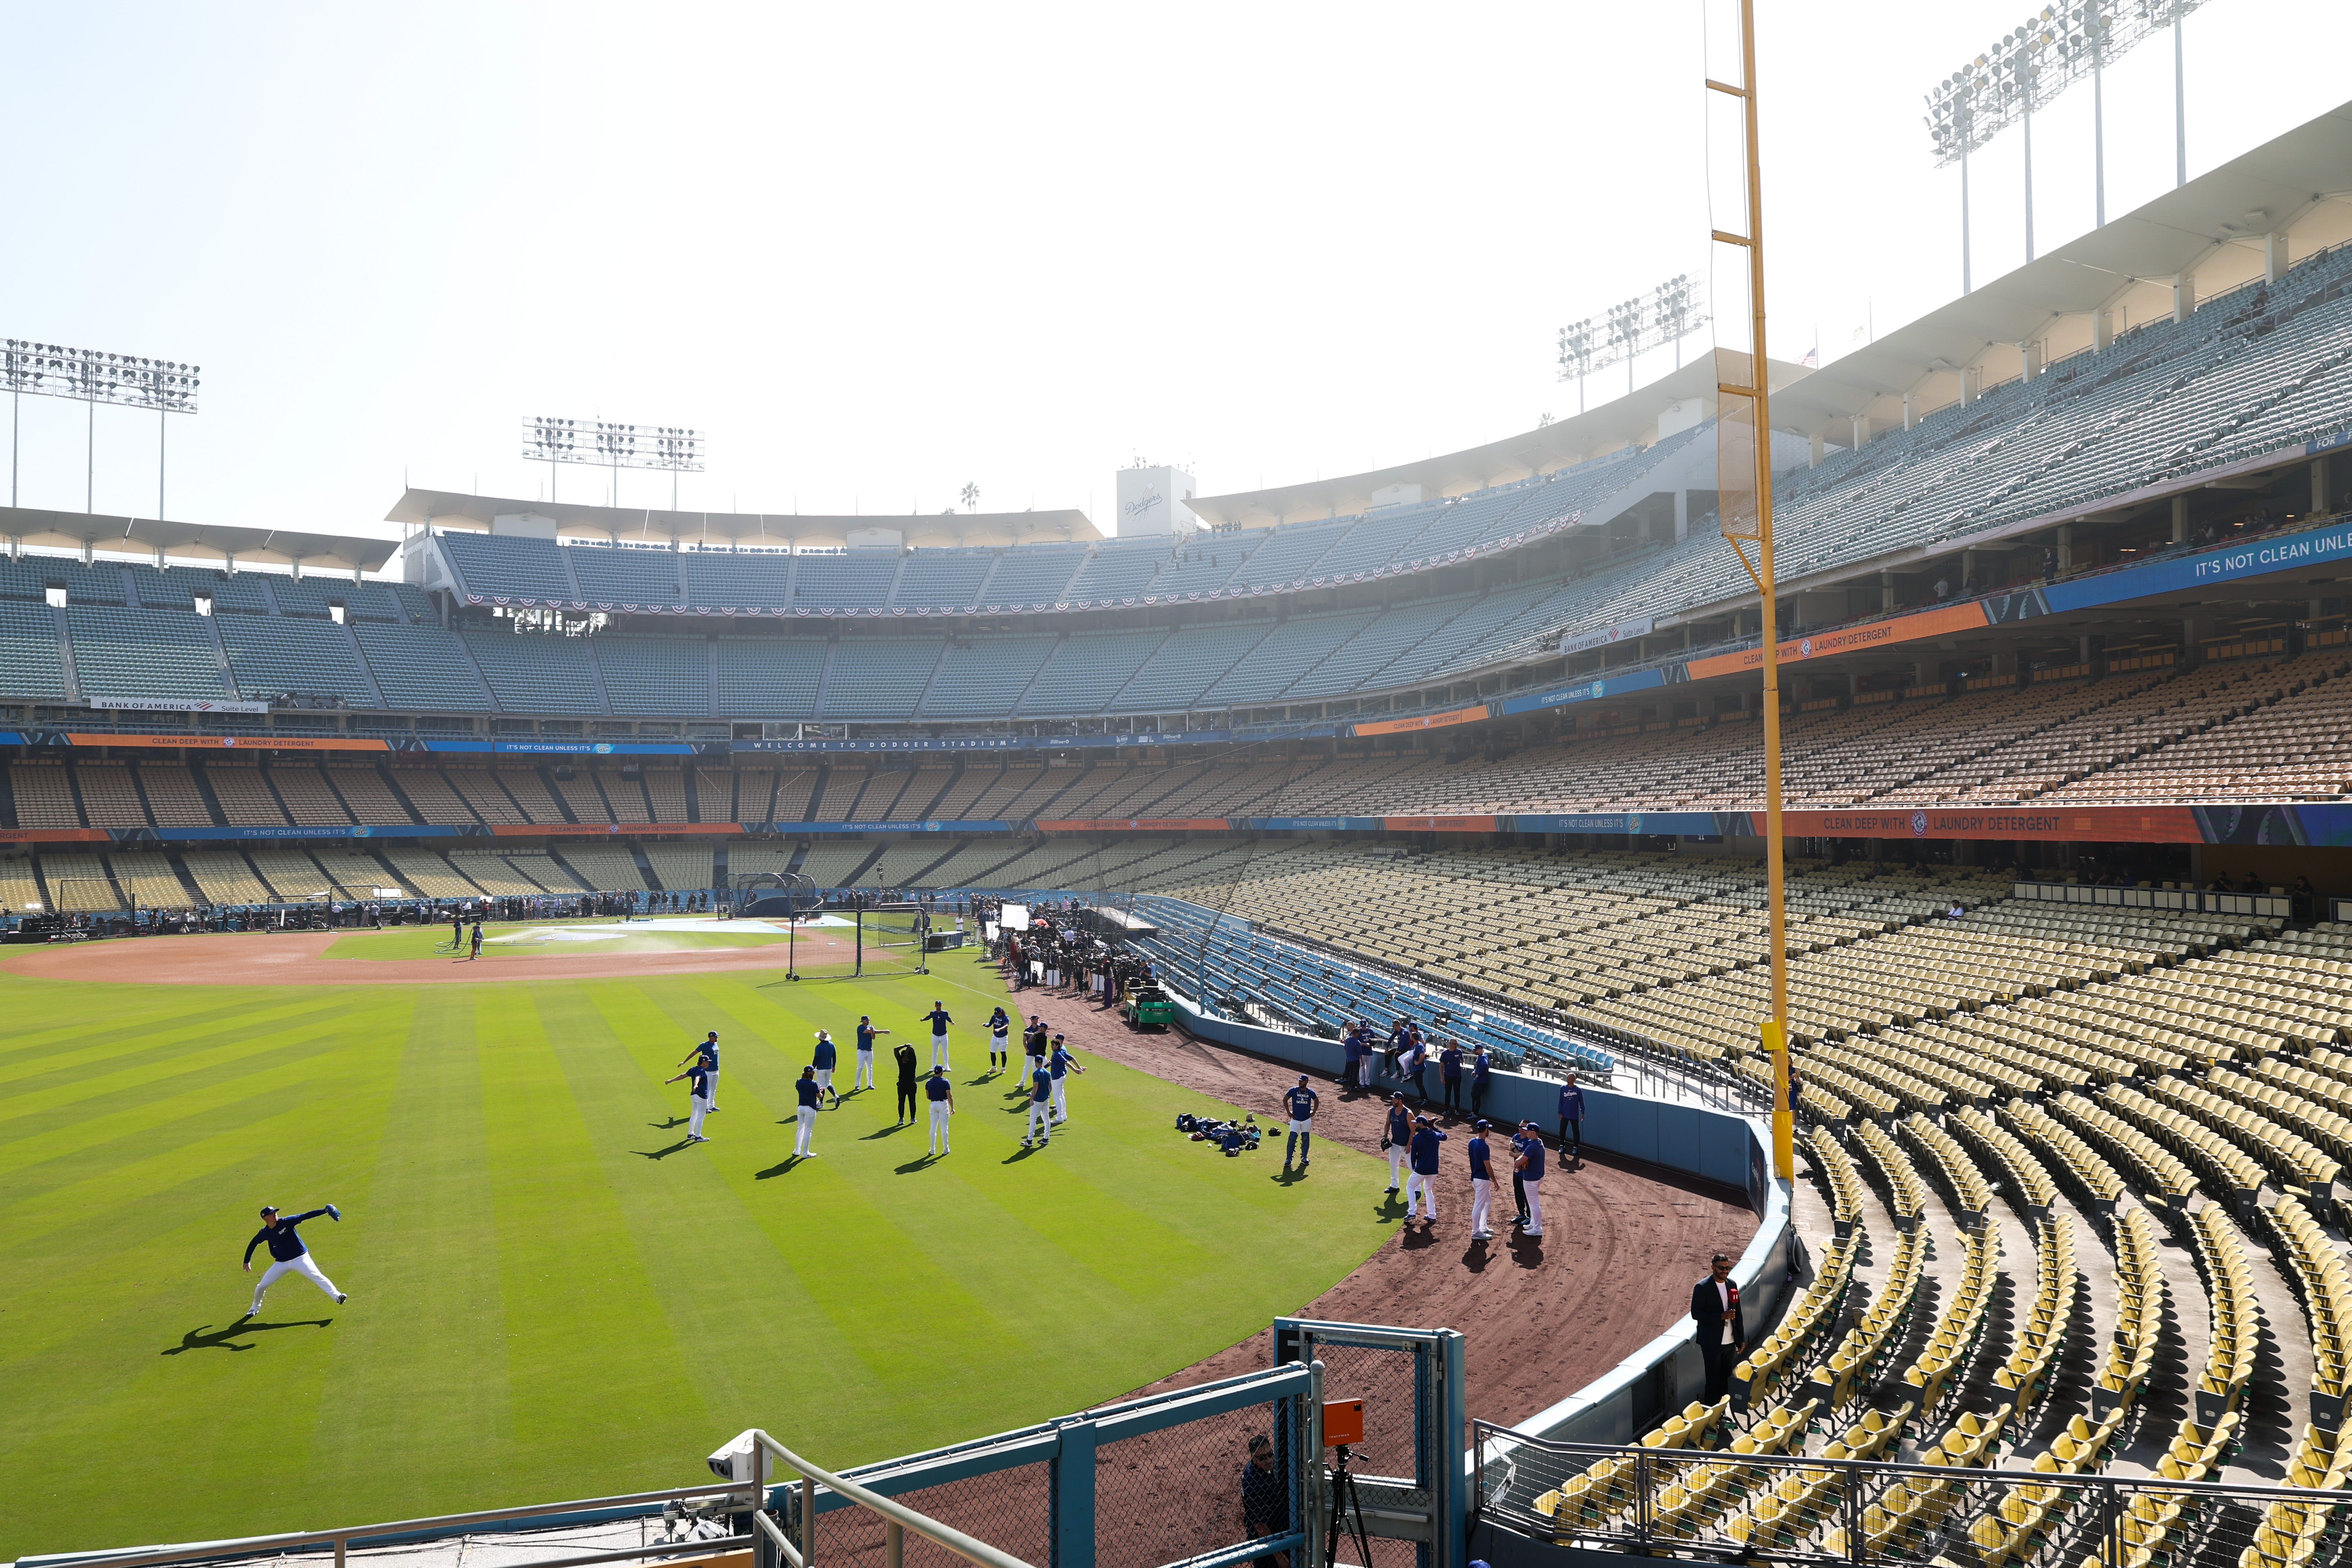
(1562, 444)
(2217, 230)
(722, 529)
(91, 531)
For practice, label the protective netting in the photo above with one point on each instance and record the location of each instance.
(1011, 1509)
(1178, 1493)
(1395, 1446)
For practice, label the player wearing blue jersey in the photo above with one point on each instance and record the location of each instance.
(708, 1053)
(821, 1061)
(1057, 1064)
(1482, 1179)
(1423, 1183)
(287, 1253)
(1000, 1047)
(697, 1098)
(1041, 1109)
(804, 1089)
(942, 1095)
(1396, 1139)
(1298, 1101)
(940, 1022)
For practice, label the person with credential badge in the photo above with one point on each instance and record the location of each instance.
(1719, 1326)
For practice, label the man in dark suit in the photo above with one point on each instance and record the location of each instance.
(1716, 1324)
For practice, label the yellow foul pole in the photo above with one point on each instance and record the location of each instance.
(1759, 396)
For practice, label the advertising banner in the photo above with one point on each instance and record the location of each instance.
(1441, 824)
(54, 836)
(1940, 622)
(1138, 824)
(1696, 824)
(566, 747)
(634, 829)
(1309, 823)
(401, 830)
(238, 742)
(177, 705)
(1593, 690)
(990, 826)
(2081, 824)
(989, 742)
(1422, 722)
(1621, 632)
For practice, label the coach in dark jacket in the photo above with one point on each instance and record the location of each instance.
(1717, 1326)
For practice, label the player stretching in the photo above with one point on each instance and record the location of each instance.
(288, 1255)
(1000, 1053)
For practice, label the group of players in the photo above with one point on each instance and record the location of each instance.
(1410, 1139)
(1046, 1079)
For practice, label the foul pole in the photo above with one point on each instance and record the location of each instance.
(1751, 406)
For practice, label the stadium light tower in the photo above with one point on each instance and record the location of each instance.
(1576, 356)
(1666, 314)
(1744, 458)
(616, 447)
(86, 375)
(2029, 66)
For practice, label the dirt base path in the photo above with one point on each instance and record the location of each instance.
(1622, 1241)
(299, 958)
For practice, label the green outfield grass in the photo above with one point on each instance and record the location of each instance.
(432, 942)
(550, 1297)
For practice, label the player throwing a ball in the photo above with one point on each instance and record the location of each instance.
(287, 1253)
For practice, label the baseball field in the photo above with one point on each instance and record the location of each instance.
(551, 1293)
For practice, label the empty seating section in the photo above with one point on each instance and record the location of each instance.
(109, 798)
(245, 795)
(1116, 570)
(768, 676)
(427, 875)
(845, 582)
(305, 793)
(143, 653)
(537, 674)
(658, 675)
(497, 874)
(1032, 575)
(148, 880)
(78, 883)
(271, 654)
(32, 660)
(291, 875)
(32, 577)
(983, 679)
(751, 579)
(173, 798)
(880, 678)
(243, 592)
(681, 868)
(1085, 673)
(421, 667)
(481, 790)
(503, 566)
(224, 877)
(617, 575)
(431, 795)
(831, 863)
(316, 596)
(604, 868)
(941, 579)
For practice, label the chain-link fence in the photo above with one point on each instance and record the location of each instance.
(1743, 1506)
(1403, 1482)
(1200, 1475)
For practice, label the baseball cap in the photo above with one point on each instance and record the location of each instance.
(1482, 1125)
(1302, 1078)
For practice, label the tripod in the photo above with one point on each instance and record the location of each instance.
(1344, 1502)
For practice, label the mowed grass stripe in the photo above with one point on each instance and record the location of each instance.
(592, 1356)
(423, 1347)
(175, 1058)
(106, 1037)
(742, 1304)
(165, 1256)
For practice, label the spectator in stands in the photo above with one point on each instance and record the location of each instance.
(1717, 1326)
(2049, 563)
(1943, 589)
(2306, 898)
(2249, 883)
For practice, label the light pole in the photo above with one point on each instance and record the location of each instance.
(617, 447)
(87, 375)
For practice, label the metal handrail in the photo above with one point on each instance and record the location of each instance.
(258, 1545)
(898, 1515)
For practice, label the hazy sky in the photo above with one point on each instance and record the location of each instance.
(877, 254)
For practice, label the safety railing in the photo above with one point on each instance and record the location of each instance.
(2052, 1507)
(348, 1539)
(896, 1518)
